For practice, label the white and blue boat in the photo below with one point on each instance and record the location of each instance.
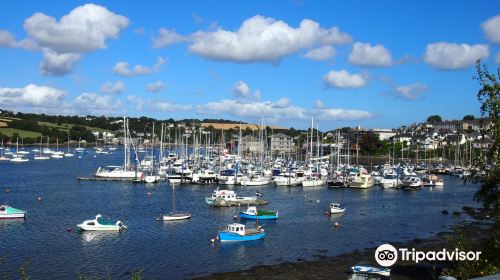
(238, 232)
(8, 212)
(253, 214)
(364, 269)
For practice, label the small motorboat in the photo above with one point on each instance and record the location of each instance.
(101, 224)
(253, 213)
(364, 269)
(336, 208)
(238, 232)
(7, 212)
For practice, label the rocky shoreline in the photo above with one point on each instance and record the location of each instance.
(338, 267)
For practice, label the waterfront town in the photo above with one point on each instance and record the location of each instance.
(250, 140)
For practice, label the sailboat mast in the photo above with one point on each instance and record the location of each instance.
(312, 128)
(125, 163)
(173, 197)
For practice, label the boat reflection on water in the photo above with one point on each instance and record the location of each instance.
(96, 236)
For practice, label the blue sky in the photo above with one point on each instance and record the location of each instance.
(347, 63)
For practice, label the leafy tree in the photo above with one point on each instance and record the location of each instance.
(489, 97)
(469, 118)
(434, 119)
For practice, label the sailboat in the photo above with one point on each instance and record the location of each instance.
(175, 216)
(124, 172)
(2, 155)
(80, 149)
(68, 154)
(17, 157)
(57, 154)
(39, 155)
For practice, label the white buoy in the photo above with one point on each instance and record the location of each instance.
(212, 240)
(39, 198)
(336, 224)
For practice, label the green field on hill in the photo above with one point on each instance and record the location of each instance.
(22, 133)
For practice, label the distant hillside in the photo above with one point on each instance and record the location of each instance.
(243, 126)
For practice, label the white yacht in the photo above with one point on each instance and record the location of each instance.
(312, 181)
(256, 180)
(362, 181)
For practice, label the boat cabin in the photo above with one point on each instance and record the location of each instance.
(225, 194)
(236, 228)
(251, 210)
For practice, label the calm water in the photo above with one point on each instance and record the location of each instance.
(183, 249)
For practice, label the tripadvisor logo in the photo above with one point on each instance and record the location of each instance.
(387, 255)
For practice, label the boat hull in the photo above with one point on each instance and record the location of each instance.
(13, 216)
(7, 212)
(176, 217)
(259, 217)
(234, 237)
(371, 270)
(337, 211)
(99, 228)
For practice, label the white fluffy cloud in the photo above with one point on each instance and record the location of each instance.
(321, 53)
(449, 56)
(250, 109)
(241, 90)
(167, 37)
(31, 96)
(96, 104)
(339, 114)
(155, 87)
(344, 80)
(55, 64)
(156, 105)
(364, 54)
(281, 110)
(86, 28)
(283, 102)
(411, 91)
(122, 68)
(491, 28)
(7, 40)
(261, 39)
(109, 87)
(319, 104)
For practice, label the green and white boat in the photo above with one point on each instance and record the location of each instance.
(7, 212)
(100, 224)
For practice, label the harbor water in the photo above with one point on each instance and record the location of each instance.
(48, 244)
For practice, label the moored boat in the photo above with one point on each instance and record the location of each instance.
(364, 269)
(101, 224)
(8, 212)
(253, 214)
(229, 196)
(336, 208)
(238, 232)
(175, 216)
(312, 181)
